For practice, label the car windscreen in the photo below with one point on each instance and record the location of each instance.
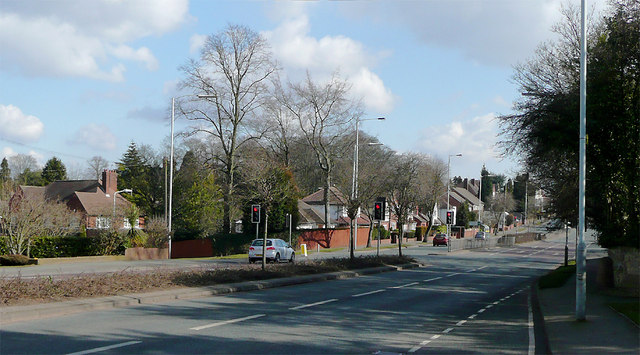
(258, 243)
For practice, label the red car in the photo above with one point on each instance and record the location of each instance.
(440, 239)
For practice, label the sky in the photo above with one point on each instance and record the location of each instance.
(85, 78)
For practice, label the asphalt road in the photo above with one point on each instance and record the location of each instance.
(465, 302)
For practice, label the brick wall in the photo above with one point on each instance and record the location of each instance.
(332, 238)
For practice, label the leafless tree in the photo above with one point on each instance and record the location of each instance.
(404, 189)
(96, 165)
(324, 113)
(499, 204)
(19, 163)
(26, 218)
(432, 178)
(233, 72)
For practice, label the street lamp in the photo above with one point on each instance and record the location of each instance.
(354, 185)
(449, 192)
(129, 191)
(173, 114)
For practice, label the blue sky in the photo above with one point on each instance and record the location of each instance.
(84, 78)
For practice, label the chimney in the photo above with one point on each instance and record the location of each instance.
(109, 181)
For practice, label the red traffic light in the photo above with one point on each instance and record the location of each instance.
(255, 209)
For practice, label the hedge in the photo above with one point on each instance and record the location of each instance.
(69, 246)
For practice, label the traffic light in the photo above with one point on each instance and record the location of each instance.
(255, 213)
(377, 211)
(449, 217)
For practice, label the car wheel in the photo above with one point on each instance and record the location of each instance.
(276, 259)
(292, 259)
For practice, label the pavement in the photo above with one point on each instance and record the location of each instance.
(604, 331)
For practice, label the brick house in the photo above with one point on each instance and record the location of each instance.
(93, 199)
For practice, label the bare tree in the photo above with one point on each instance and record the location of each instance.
(498, 204)
(233, 73)
(404, 189)
(432, 185)
(23, 219)
(96, 165)
(324, 113)
(19, 163)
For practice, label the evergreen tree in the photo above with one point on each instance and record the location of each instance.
(5, 172)
(53, 170)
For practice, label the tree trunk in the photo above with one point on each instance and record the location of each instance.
(401, 231)
(370, 233)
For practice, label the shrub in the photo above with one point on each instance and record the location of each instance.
(56, 247)
(421, 232)
(384, 234)
(14, 259)
(157, 233)
(227, 244)
(110, 242)
(409, 234)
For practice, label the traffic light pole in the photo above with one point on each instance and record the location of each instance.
(379, 236)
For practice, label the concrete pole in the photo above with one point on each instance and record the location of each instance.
(173, 110)
(581, 257)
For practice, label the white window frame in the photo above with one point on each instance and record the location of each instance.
(103, 222)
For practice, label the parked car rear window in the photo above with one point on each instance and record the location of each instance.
(258, 243)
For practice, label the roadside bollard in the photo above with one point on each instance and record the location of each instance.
(303, 249)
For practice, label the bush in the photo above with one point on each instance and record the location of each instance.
(13, 260)
(227, 244)
(421, 232)
(109, 242)
(384, 234)
(409, 234)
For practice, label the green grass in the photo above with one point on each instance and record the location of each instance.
(630, 309)
(557, 277)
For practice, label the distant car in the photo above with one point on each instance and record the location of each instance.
(277, 250)
(440, 239)
(481, 236)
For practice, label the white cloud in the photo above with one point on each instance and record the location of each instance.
(96, 136)
(83, 38)
(196, 42)
(474, 138)
(499, 100)
(297, 51)
(8, 152)
(17, 126)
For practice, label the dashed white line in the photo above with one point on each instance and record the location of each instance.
(104, 348)
(482, 267)
(472, 270)
(454, 274)
(367, 293)
(407, 285)
(461, 322)
(488, 306)
(313, 304)
(433, 279)
(447, 330)
(481, 310)
(472, 316)
(230, 321)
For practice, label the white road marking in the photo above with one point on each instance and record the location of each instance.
(367, 293)
(313, 304)
(496, 302)
(433, 279)
(447, 330)
(411, 284)
(454, 274)
(488, 306)
(472, 316)
(230, 321)
(481, 310)
(461, 322)
(104, 348)
(532, 337)
(482, 267)
(472, 270)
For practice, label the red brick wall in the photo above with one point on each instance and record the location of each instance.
(198, 248)
(336, 238)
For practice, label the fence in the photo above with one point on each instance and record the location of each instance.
(492, 241)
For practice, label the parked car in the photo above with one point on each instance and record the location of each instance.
(440, 239)
(277, 250)
(481, 236)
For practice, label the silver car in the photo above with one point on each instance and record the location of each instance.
(276, 250)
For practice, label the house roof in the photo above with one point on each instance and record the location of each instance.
(335, 197)
(362, 221)
(308, 215)
(473, 200)
(63, 190)
(29, 192)
(98, 203)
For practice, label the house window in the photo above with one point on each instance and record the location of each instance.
(103, 222)
(127, 225)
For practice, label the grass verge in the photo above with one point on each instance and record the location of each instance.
(630, 310)
(20, 291)
(557, 277)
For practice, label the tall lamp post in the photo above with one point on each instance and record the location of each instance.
(449, 192)
(129, 191)
(173, 115)
(354, 184)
